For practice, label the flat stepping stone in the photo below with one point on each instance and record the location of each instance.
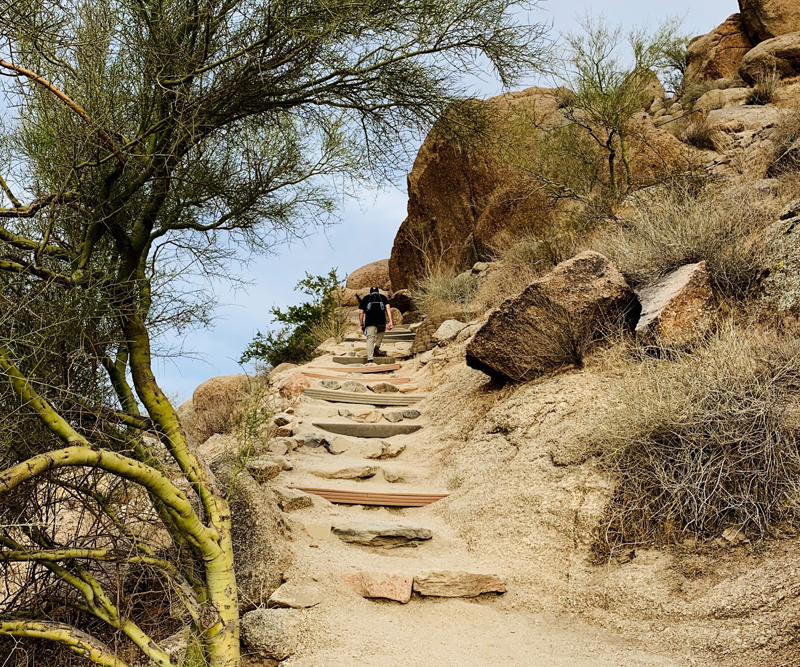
(382, 534)
(384, 368)
(457, 584)
(345, 497)
(339, 378)
(295, 595)
(361, 360)
(368, 398)
(356, 430)
(381, 585)
(354, 472)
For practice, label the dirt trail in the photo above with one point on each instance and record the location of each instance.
(487, 630)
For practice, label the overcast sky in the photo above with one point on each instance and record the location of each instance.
(368, 227)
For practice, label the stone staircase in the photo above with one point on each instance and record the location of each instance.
(359, 495)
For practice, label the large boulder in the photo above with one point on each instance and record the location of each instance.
(375, 274)
(734, 120)
(780, 56)
(718, 54)
(465, 204)
(765, 19)
(459, 200)
(541, 329)
(218, 402)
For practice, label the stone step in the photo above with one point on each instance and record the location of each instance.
(357, 430)
(368, 398)
(328, 376)
(384, 368)
(360, 360)
(398, 586)
(381, 499)
(386, 534)
(387, 338)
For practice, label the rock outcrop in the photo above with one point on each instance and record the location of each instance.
(457, 201)
(679, 307)
(375, 274)
(540, 329)
(718, 54)
(765, 19)
(779, 56)
(462, 205)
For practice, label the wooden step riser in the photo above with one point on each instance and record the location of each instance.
(377, 499)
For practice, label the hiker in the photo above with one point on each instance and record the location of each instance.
(374, 317)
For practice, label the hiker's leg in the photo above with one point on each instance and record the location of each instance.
(379, 340)
(371, 331)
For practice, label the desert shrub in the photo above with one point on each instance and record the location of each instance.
(679, 224)
(700, 135)
(786, 138)
(302, 325)
(704, 442)
(442, 293)
(765, 88)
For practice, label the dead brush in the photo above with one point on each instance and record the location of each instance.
(677, 224)
(700, 135)
(765, 88)
(704, 442)
(786, 138)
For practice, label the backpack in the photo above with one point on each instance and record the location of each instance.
(375, 300)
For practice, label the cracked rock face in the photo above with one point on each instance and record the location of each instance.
(679, 307)
(765, 19)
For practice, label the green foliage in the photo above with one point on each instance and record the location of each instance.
(296, 340)
(610, 83)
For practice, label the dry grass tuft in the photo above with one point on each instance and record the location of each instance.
(680, 224)
(786, 138)
(705, 442)
(443, 294)
(765, 89)
(701, 136)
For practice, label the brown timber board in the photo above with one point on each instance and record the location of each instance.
(344, 497)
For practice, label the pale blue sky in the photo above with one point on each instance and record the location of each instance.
(368, 227)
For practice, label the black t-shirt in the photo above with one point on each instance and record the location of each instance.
(374, 316)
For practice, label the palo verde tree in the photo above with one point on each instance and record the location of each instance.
(142, 140)
(607, 75)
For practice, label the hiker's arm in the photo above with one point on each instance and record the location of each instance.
(390, 324)
(361, 319)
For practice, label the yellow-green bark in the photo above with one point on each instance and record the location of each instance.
(77, 641)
